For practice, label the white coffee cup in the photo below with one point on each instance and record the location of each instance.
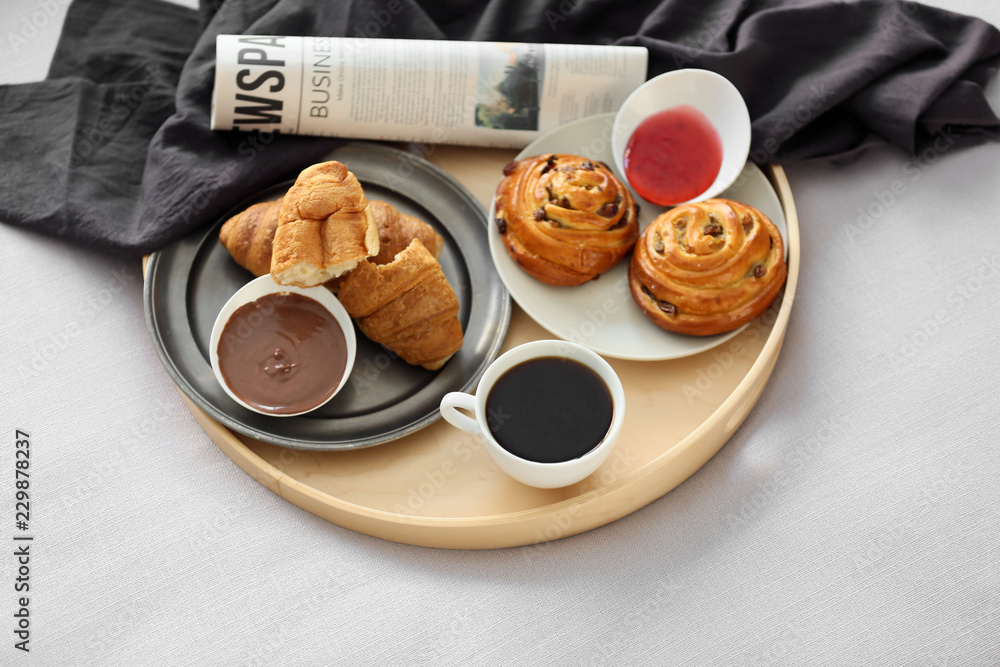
(533, 473)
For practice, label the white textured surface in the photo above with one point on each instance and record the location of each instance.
(853, 519)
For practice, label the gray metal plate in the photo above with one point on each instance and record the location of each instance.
(385, 398)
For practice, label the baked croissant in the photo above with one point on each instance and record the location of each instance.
(565, 219)
(707, 267)
(396, 229)
(324, 228)
(248, 236)
(406, 305)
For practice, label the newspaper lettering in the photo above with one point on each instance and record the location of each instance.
(262, 61)
(500, 94)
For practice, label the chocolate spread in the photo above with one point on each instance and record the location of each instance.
(283, 353)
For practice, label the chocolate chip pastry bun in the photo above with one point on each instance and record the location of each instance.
(707, 267)
(565, 219)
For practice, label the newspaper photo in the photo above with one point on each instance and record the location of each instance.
(498, 94)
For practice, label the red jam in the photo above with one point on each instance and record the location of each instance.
(673, 156)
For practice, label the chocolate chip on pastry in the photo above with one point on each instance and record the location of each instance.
(563, 218)
(707, 267)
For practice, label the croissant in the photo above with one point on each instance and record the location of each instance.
(707, 267)
(248, 236)
(406, 305)
(324, 228)
(565, 219)
(396, 229)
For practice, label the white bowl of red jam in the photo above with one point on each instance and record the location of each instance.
(682, 136)
(281, 350)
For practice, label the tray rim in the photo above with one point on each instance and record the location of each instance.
(521, 528)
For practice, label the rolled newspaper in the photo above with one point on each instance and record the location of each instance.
(499, 94)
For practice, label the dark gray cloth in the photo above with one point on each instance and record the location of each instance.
(113, 150)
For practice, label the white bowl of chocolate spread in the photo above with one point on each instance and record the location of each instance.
(281, 350)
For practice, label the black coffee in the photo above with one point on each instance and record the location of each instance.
(549, 409)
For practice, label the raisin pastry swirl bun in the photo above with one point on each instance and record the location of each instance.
(707, 267)
(565, 219)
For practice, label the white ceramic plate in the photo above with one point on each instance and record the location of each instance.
(601, 314)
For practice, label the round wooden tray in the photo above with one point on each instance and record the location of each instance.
(439, 488)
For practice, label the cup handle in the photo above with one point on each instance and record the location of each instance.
(450, 406)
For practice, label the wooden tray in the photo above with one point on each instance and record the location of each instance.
(439, 488)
